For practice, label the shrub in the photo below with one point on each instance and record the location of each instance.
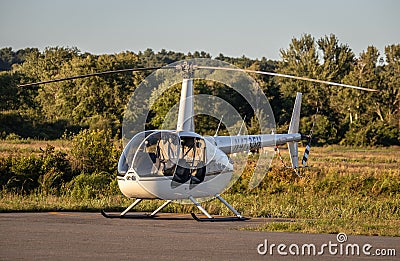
(87, 186)
(48, 172)
(5, 171)
(372, 134)
(325, 130)
(94, 151)
(13, 137)
(55, 170)
(26, 172)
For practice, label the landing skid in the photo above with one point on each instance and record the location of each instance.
(220, 219)
(123, 213)
(208, 218)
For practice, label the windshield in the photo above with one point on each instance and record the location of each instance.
(151, 153)
(125, 161)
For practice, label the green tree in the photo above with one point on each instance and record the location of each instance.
(8, 57)
(300, 59)
(318, 60)
(389, 96)
(336, 62)
(336, 58)
(361, 105)
(8, 89)
(94, 152)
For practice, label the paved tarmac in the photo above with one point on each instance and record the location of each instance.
(90, 236)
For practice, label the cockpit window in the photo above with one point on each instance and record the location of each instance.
(126, 159)
(151, 153)
(193, 151)
(164, 153)
(192, 162)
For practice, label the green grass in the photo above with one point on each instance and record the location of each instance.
(350, 190)
(26, 147)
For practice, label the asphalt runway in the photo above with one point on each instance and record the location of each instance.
(90, 236)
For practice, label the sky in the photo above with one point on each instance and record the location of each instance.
(253, 28)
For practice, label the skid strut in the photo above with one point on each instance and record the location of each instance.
(160, 207)
(130, 207)
(200, 207)
(213, 219)
(228, 206)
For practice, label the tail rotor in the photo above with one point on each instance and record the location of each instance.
(308, 138)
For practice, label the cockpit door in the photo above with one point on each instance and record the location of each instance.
(191, 163)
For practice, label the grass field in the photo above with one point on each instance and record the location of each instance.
(351, 190)
(28, 147)
(346, 189)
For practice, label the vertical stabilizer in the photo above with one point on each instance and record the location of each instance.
(294, 128)
(294, 154)
(295, 121)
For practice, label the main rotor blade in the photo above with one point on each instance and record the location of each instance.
(287, 76)
(93, 74)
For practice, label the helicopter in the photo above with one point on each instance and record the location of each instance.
(180, 164)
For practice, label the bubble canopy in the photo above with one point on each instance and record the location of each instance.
(183, 155)
(147, 150)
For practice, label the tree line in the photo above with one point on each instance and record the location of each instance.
(345, 116)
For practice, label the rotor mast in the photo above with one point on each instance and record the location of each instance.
(186, 110)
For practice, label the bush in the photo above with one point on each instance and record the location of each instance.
(371, 134)
(5, 171)
(325, 131)
(87, 186)
(55, 170)
(94, 152)
(47, 172)
(25, 174)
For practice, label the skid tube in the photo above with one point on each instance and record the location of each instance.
(123, 213)
(138, 216)
(219, 219)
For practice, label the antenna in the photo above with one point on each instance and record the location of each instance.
(241, 126)
(219, 125)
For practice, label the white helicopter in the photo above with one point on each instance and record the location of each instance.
(180, 164)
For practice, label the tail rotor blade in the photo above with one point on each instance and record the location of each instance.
(305, 156)
(309, 138)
